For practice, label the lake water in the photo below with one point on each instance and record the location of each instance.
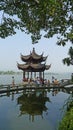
(7, 79)
(36, 110)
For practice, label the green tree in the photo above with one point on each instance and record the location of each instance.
(69, 60)
(54, 17)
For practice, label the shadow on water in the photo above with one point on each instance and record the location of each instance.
(32, 109)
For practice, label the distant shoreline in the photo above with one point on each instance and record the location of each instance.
(9, 72)
(20, 72)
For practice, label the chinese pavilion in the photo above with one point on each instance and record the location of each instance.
(33, 63)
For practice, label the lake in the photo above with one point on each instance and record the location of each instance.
(7, 79)
(31, 110)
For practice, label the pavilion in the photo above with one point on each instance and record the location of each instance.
(34, 64)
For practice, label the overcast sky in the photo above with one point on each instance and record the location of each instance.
(12, 46)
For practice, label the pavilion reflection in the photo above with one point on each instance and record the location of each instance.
(33, 103)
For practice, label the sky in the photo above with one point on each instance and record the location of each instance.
(21, 43)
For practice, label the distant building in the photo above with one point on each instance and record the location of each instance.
(33, 63)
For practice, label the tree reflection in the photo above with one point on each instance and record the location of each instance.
(33, 103)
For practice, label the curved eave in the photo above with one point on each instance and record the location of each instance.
(44, 58)
(47, 67)
(25, 58)
(30, 57)
(33, 56)
(31, 67)
(22, 66)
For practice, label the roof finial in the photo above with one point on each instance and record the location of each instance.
(33, 49)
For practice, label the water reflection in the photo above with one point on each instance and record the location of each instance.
(33, 103)
(38, 92)
(41, 109)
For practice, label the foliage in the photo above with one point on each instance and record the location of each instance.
(34, 16)
(53, 17)
(67, 122)
(9, 72)
(69, 60)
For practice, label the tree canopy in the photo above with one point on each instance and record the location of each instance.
(35, 16)
(69, 60)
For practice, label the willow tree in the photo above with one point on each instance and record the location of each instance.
(34, 16)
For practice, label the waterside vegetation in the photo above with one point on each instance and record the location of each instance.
(67, 121)
(9, 72)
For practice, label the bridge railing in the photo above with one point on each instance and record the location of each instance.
(64, 82)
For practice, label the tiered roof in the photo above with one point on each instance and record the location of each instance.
(33, 67)
(33, 62)
(33, 57)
